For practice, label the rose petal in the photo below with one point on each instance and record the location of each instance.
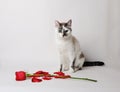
(41, 72)
(35, 79)
(59, 73)
(57, 77)
(45, 73)
(46, 78)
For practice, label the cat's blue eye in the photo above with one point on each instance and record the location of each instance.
(66, 30)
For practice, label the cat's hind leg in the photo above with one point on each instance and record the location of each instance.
(77, 64)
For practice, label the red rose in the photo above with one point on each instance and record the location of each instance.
(35, 79)
(20, 75)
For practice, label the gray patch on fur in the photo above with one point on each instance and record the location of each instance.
(73, 64)
(81, 55)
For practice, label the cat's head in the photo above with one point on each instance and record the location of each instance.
(63, 29)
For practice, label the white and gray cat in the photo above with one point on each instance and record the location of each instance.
(69, 48)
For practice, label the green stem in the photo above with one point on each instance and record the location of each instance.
(84, 79)
(36, 75)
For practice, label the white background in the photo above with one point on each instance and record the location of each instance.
(27, 31)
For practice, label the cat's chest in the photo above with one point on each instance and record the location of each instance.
(65, 46)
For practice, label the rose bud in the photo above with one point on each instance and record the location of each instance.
(20, 75)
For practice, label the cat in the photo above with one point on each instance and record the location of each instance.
(69, 48)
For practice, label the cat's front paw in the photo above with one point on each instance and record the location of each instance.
(76, 69)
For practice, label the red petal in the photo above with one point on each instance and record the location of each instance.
(41, 72)
(59, 73)
(45, 73)
(47, 78)
(57, 77)
(34, 79)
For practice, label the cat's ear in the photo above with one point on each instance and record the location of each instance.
(57, 23)
(69, 23)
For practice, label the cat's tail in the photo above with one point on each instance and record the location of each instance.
(93, 63)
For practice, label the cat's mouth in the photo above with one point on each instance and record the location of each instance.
(64, 34)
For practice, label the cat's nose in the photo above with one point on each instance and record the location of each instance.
(64, 34)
